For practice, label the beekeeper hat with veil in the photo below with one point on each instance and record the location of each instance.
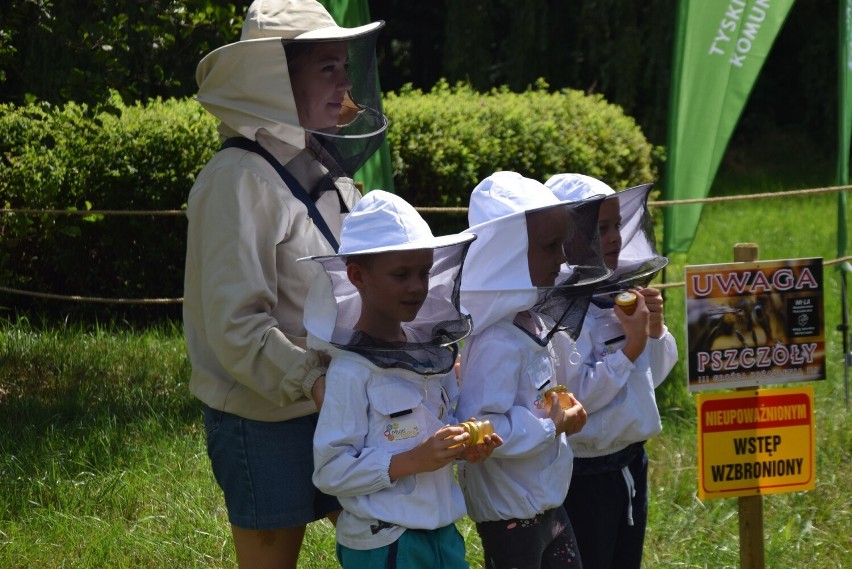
(505, 209)
(638, 261)
(381, 223)
(247, 84)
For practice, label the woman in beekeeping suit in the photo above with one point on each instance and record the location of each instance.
(297, 101)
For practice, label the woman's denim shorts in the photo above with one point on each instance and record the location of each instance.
(265, 470)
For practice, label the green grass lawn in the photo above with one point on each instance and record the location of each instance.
(102, 458)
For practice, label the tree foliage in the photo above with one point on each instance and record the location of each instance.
(118, 157)
(616, 48)
(79, 50)
(64, 50)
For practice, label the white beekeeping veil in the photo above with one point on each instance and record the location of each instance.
(380, 223)
(505, 209)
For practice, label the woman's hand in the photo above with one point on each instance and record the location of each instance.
(318, 391)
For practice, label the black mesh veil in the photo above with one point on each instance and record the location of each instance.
(361, 125)
(432, 337)
(567, 301)
(639, 262)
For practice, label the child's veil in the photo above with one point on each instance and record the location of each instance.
(504, 210)
(582, 274)
(638, 262)
(380, 223)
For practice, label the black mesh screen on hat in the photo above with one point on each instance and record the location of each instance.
(361, 126)
(431, 337)
(638, 262)
(424, 358)
(566, 303)
(634, 274)
(583, 247)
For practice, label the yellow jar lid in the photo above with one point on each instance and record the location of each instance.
(557, 389)
(625, 298)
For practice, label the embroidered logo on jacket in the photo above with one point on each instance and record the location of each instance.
(401, 431)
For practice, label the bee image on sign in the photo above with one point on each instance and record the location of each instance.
(752, 324)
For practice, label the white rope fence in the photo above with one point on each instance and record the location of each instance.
(454, 210)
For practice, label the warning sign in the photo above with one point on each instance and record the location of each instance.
(753, 324)
(755, 442)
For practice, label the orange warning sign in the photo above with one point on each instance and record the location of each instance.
(755, 442)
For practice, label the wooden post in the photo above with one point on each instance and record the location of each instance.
(750, 507)
(745, 252)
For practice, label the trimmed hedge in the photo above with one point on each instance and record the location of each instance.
(444, 142)
(118, 157)
(115, 157)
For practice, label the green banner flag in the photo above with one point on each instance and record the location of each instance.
(844, 117)
(844, 127)
(376, 173)
(720, 48)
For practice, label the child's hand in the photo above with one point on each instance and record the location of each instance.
(636, 327)
(444, 446)
(483, 449)
(570, 420)
(654, 301)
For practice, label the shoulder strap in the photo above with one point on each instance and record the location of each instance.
(295, 187)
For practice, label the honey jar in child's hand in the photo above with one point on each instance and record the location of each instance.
(627, 301)
(564, 397)
(477, 431)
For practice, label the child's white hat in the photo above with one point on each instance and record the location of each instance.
(576, 187)
(382, 222)
(506, 193)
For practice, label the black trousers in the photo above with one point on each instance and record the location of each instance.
(601, 509)
(543, 542)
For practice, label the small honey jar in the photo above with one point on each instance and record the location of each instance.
(564, 397)
(627, 301)
(477, 431)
